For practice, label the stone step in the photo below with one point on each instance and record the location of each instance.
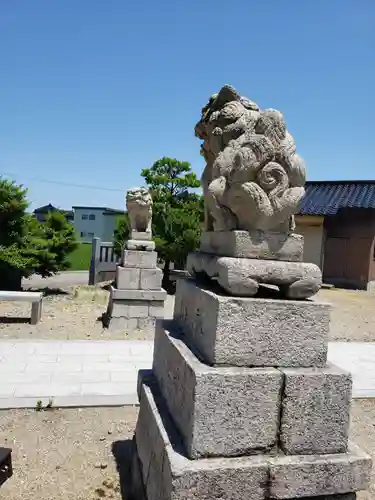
(231, 411)
(166, 473)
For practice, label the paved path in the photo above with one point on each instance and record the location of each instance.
(100, 373)
(71, 373)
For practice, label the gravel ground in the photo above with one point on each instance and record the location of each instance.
(73, 313)
(70, 453)
(70, 314)
(353, 314)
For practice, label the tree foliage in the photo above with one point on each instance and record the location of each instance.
(26, 245)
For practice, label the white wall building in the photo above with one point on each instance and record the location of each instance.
(100, 222)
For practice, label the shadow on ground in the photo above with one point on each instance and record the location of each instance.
(122, 452)
(13, 320)
(46, 291)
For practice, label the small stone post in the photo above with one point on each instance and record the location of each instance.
(137, 299)
(241, 403)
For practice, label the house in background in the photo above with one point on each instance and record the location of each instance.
(100, 222)
(41, 213)
(337, 220)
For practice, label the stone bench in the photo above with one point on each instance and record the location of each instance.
(5, 464)
(34, 297)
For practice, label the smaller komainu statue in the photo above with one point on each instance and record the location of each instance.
(253, 179)
(139, 207)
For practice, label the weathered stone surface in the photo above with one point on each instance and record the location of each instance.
(169, 475)
(140, 236)
(151, 295)
(139, 207)
(241, 277)
(312, 475)
(147, 324)
(138, 258)
(127, 278)
(150, 279)
(315, 410)
(129, 309)
(156, 309)
(253, 245)
(251, 332)
(125, 325)
(253, 177)
(141, 245)
(218, 411)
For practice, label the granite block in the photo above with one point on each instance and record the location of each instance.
(253, 245)
(315, 410)
(313, 475)
(169, 475)
(142, 245)
(242, 277)
(129, 309)
(141, 235)
(138, 258)
(219, 411)
(126, 325)
(128, 278)
(147, 325)
(150, 279)
(147, 295)
(245, 331)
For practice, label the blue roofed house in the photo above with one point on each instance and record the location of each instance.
(337, 220)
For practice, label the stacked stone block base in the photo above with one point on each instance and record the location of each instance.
(137, 299)
(241, 404)
(162, 471)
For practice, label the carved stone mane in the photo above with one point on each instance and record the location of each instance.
(139, 207)
(253, 179)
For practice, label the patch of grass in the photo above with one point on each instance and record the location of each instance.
(80, 258)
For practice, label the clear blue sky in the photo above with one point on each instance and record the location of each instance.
(91, 91)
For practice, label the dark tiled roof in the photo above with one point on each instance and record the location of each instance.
(328, 197)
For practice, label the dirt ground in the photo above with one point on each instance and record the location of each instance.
(70, 314)
(75, 314)
(80, 454)
(353, 314)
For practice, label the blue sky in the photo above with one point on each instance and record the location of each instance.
(91, 91)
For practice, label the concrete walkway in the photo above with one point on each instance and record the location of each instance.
(100, 373)
(71, 373)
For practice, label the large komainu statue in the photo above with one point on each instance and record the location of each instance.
(139, 207)
(253, 179)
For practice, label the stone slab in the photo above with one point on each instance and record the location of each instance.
(313, 475)
(242, 277)
(141, 235)
(253, 245)
(152, 295)
(139, 258)
(315, 410)
(140, 245)
(127, 278)
(168, 475)
(150, 279)
(218, 411)
(128, 309)
(251, 331)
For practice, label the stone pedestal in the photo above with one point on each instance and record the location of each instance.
(137, 299)
(241, 402)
